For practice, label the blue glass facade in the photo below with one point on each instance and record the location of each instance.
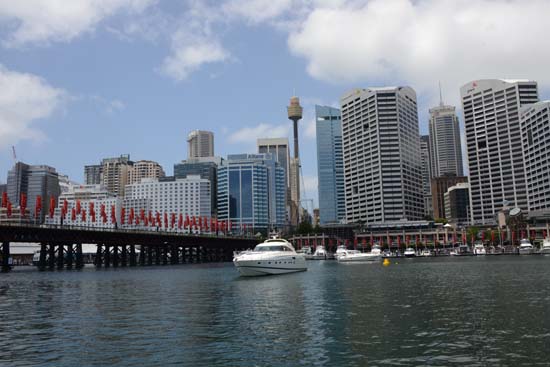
(330, 164)
(251, 191)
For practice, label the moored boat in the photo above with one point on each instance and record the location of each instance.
(545, 249)
(409, 252)
(479, 249)
(426, 253)
(320, 253)
(273, 256)
(525, 247)
(354, 255)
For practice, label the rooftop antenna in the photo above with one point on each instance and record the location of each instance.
(440, 95)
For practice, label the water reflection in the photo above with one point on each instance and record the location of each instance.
(489, 311)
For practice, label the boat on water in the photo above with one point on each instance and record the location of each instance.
(525, 247)
(426, 253)
(319, 254)
(306, 251)
(479, 249)
(273, 256)
(354, 255)
(545, 249)
(409, 252)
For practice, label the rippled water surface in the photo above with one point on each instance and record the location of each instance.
(440, 311)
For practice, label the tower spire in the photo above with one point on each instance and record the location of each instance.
(440, 95)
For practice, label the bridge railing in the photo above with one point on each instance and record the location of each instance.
(152, 231)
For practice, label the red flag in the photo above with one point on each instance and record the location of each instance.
(9, 209)
(398, 241)
(172, 220)
(150, 218)
(533, 234)
(83, 216)
(52, 206)
(159, 222)
(131, 217)
(73, 214)
(142, 215)
(165, 220)
(180, 221)
(205, 224)
(23, 205)
(78, 208)
(122, 215)
(65, 208)
(102, 213)
(113, 214)
(38, 206)
(186, 224)
(200, 223)
(92, 211)
(194, 222)
(4, 199)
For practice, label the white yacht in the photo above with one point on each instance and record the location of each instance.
(409, 252)
(479, 249)
(354, 255)
(525, 247)
(545, 249)
(273, 256)
(426, 253)
(320, 253)
(306, 251)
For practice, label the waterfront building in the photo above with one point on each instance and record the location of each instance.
(92, 174)
(116, 173)
(190, 196)
(144, 169)
(330, 165)
(200, 144)
(457, 200)
(205, 167)
(426, 174)
(251, 191)
(84, 195)
(535, 141)
(382, 161)
(494, 144)
(33, 181)
(66, 184)
(439, 186)
(445, 147)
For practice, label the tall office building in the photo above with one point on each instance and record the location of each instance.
(426, 174)
(251, 191)
(116, 173)
(439, 186)
(445, 149)
(279, 148)
(330, 165)
(206, 168)
(457, 200)
(144, 169)
(494, 144)
(92, 174)
(33, 181)
(200, 144)
(382, 162)
(535, 139)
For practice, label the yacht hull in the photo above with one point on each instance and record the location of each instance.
(526, 251)
(545, 251)
(347, 259)
(252, 268)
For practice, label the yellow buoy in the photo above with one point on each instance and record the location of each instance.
(386, 262)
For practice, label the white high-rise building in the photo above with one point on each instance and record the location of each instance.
(200, 144)
(188, 196)
(535, 140)
(382, 162)
(445, 149)
(494, 144)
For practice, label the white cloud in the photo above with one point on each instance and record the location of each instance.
(189, 56)
(249, 135)
(44, 21)
(256, 11)
(420, 42)
(25, 98)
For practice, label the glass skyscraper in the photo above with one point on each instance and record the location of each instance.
(330, 165)
(251, 191)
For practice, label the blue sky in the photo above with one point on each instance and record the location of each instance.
(88, 79)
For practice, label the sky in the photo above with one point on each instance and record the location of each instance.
(83, 80)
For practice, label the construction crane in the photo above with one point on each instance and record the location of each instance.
(13, 154)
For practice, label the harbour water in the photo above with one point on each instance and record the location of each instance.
(437, 311)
